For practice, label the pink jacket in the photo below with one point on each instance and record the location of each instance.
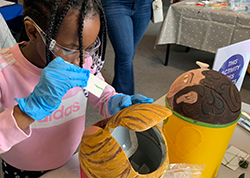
(45, 144)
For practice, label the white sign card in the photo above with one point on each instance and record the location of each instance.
(95, 85)
(233, 60)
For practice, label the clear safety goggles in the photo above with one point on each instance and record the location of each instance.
(67, 54)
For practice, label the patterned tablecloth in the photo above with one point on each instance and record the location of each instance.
(203, 28)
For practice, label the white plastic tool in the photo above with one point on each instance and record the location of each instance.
(95, 85)
(202, 65)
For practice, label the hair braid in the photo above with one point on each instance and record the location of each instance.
(61, 17)
(49, 55)
(38, 10)
(103, 31)
(80, 38)
(85, 7)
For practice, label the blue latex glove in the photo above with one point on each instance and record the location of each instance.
(56, 79)
(120, 101)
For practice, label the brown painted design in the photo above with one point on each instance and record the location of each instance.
(139, 117)
(217, 100)
(100, 154)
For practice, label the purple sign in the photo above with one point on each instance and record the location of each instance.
(232, 67)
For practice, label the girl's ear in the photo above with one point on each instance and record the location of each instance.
(31, 31)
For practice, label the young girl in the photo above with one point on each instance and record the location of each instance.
(41, 97)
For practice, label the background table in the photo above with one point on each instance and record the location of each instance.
(240, 139)
(203, 28)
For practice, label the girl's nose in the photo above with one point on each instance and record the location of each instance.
(77, 61)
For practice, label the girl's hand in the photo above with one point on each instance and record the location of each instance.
(56, 79)
(120, 101)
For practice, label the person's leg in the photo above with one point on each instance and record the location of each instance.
(120, 30)
(141, 16)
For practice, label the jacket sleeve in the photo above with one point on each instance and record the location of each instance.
(10, 133)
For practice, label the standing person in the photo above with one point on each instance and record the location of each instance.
(127, 21)
(42, 102)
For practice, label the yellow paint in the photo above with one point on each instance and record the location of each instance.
(194, 144)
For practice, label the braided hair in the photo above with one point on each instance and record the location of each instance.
(49, 14)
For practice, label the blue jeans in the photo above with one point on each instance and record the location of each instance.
(127, 21)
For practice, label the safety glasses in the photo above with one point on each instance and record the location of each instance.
(67, 54)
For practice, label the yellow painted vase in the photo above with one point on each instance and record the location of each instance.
(196, 142)
(206, 106)
(130, 145)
